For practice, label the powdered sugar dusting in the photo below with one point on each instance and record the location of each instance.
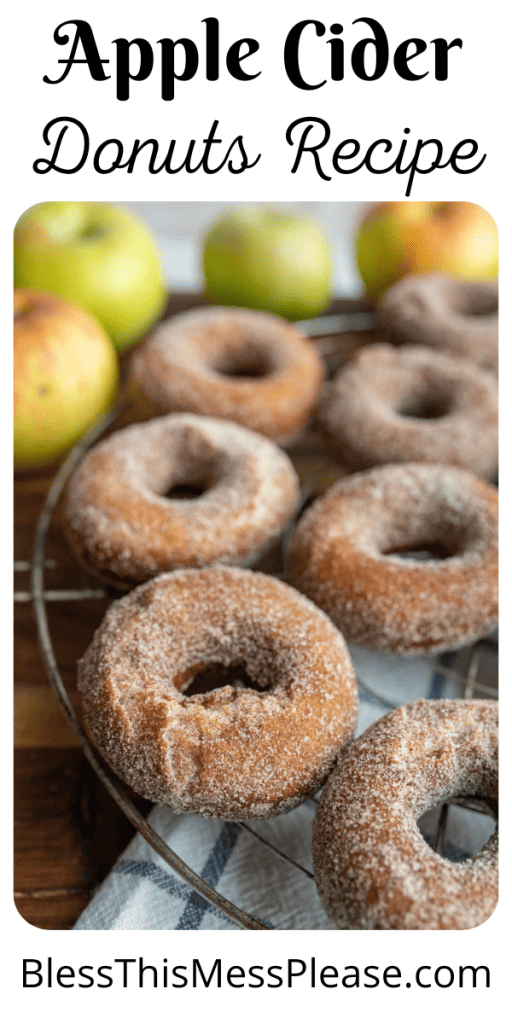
(340, 556)
(122, 527)
(361, 411)
(373, 868)
(233, 752)
(179, 368)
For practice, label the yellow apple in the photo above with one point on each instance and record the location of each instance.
(98, 256)
(402, 238)
(65, 376)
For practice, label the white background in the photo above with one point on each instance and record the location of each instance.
(471, 104)
(180, 228)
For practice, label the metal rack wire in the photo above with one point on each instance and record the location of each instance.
(464, 669)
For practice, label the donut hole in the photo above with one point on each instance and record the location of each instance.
(459, 830)
(244, 362)
(428, 547)
(425, 406)
(205, 679)
(472, 302)
(193, 472)
(423, 551)
(428, 536)
(186, 491)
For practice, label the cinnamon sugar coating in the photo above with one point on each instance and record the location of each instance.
(411, 404)
(345, 555)
(445, 313)
(121, 525)
(235, 364)
(233, 752)
(373, 868)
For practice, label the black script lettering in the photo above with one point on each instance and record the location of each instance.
(85, 36)
(309, 123)
(42, 166)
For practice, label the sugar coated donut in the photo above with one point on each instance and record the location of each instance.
(236, 364)
(447, 313)
(346, 553)
(232, 752)
(373, 868)
(181, 490)
(412, 404)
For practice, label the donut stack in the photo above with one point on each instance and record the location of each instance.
(219, 690)
(210, 688)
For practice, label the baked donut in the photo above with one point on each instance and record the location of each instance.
(181, 490)
(412, 405)
(373, 868)
(232, 752)
(446, 313)
(236, 364)
(345, 554)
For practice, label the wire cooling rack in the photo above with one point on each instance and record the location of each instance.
(473, 671)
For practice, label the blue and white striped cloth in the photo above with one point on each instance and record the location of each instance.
(142, 893)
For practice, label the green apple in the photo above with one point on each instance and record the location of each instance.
(65, 376)
(265, 258)
(99, 256)
(418, 237)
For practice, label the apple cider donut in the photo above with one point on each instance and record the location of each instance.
(373, 868)
(353, 553)
(446, 313)
(412, 404)
(237, 751)
(181, 490)
(236, 364)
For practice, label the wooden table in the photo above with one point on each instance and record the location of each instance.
(68, 831)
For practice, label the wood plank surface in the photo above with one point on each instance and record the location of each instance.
(68, 830)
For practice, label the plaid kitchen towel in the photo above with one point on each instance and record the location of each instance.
(142, 892)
